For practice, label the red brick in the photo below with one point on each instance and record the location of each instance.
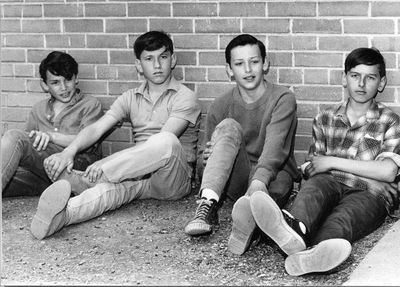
(41, 26)
(302, 142)
(315, 76)
(186, 58)
(24, 100)
(292, 42)
(24, 70)
(90, 56)
(178, 73)
(342, 43)
(318, 59)
(205, 105)
(304, 127)
(126, 25)
(390, 60)
(387, 96)
(149, 10)
(300, 156)
(83, 25)
(127, 73)
(272, 75)
(105, 10)
(15, 114)
(12, 55)
(385, 9)
(106, 101)
(228, 25)
(306, 111)
(10, 26)
(335, 77)
(65, 41)
(117, 88)
(242, 9)
(87, 71)
(33, 85)
(266, 25)
(7, 70)
(318, 93)
(213, 90)
(217, 75)
(174, 25)
(280, 59)
(107, 41)
(288, 9)
(326, 26)
(63, 10)
(120, 135)
(13, 85)
(194, 9)
(35, 41)
(345, 8)
(391, 44)
(393, 77)
(290, 76)
(93, 87)
(195, 41)
(22, 10)
(37, 55)
(211, 58)
(122, 57)
(106, 72)
(194, 74)
(368, 26)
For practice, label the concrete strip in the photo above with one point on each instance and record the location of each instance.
(381, 266)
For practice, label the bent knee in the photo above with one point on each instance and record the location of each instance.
(229, 128)
(14, 135)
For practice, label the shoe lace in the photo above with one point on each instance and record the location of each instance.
(203, 209)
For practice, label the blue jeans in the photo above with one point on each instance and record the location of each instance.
(157, 169)
(330, 209)
(228, 168)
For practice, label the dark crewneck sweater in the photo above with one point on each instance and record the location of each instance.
(269, 127)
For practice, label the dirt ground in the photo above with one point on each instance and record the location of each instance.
(143, 243)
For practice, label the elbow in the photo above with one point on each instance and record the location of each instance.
(391, 172)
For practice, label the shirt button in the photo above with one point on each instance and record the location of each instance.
(56, 129)
(48, 116)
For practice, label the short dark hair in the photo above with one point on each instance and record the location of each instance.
(365, 56)
(152, 41)
(242, 40)
(59, 64)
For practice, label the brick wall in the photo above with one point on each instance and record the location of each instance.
(307, 42)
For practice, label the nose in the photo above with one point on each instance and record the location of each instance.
(247, 67)
(156, 63)
(361, 82)
(63, 85)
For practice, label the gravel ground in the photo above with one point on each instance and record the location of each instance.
(143, 243)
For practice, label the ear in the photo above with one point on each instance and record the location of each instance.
(174, 60)
(382, 84)
(266, 66)
(44, 86)
(76, 80)
(344, 80)
(138, 66)
(229, 72)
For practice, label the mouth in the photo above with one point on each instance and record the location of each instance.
(157, 74)
(360, 92)
(249, 78)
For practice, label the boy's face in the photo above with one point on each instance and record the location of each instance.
(363, 83)
(247, 66)
(156, 66)
(60, 88)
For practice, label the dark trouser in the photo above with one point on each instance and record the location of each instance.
(228, 168)
(330, 209)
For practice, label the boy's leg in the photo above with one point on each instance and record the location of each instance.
(227, 169)
(25, 183)
(17, 150)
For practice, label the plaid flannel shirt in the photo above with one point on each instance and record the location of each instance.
(375, 136)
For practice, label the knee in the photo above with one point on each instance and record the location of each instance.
(14, 135)
(166, 140)
(230, 128)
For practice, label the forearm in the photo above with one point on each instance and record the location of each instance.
(61, 139)
(382, 170)
(86, 137)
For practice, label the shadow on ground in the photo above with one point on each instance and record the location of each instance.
(143, 243)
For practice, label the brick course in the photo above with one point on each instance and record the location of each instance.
(307, 42)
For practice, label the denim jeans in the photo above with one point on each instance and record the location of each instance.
(156, 169)
(228, 168)
(330, 209)
(22, 165)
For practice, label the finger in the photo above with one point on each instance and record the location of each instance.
(41, 143)
(36, 141)
(46, 142)
(69, 167)
(31, 134)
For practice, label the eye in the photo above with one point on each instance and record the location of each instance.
(164, 56)
(238, 63)
(371, 78)
(354, 76)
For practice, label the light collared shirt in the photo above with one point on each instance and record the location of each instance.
(148, 117)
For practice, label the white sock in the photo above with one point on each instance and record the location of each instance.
(210, 194)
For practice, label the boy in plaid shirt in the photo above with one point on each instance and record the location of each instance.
(351, 173)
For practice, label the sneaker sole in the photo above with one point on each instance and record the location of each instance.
(325, 256)
(198, 228)
(52, 201)
(270, 220)
(243, 226)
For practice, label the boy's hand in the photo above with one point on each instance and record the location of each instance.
(41, 140)
(256, 185)
(320, 164)
(207, 152)
(94, 171)
(56, 163)
(389, 191)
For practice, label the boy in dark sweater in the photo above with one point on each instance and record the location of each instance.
(250, 139)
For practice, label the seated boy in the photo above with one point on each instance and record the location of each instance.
(51, 126)
(164, 115)
(250, 138)
(351, 170)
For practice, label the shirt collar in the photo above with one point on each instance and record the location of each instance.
(372, 113)
(76, 98)
(172, 85)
